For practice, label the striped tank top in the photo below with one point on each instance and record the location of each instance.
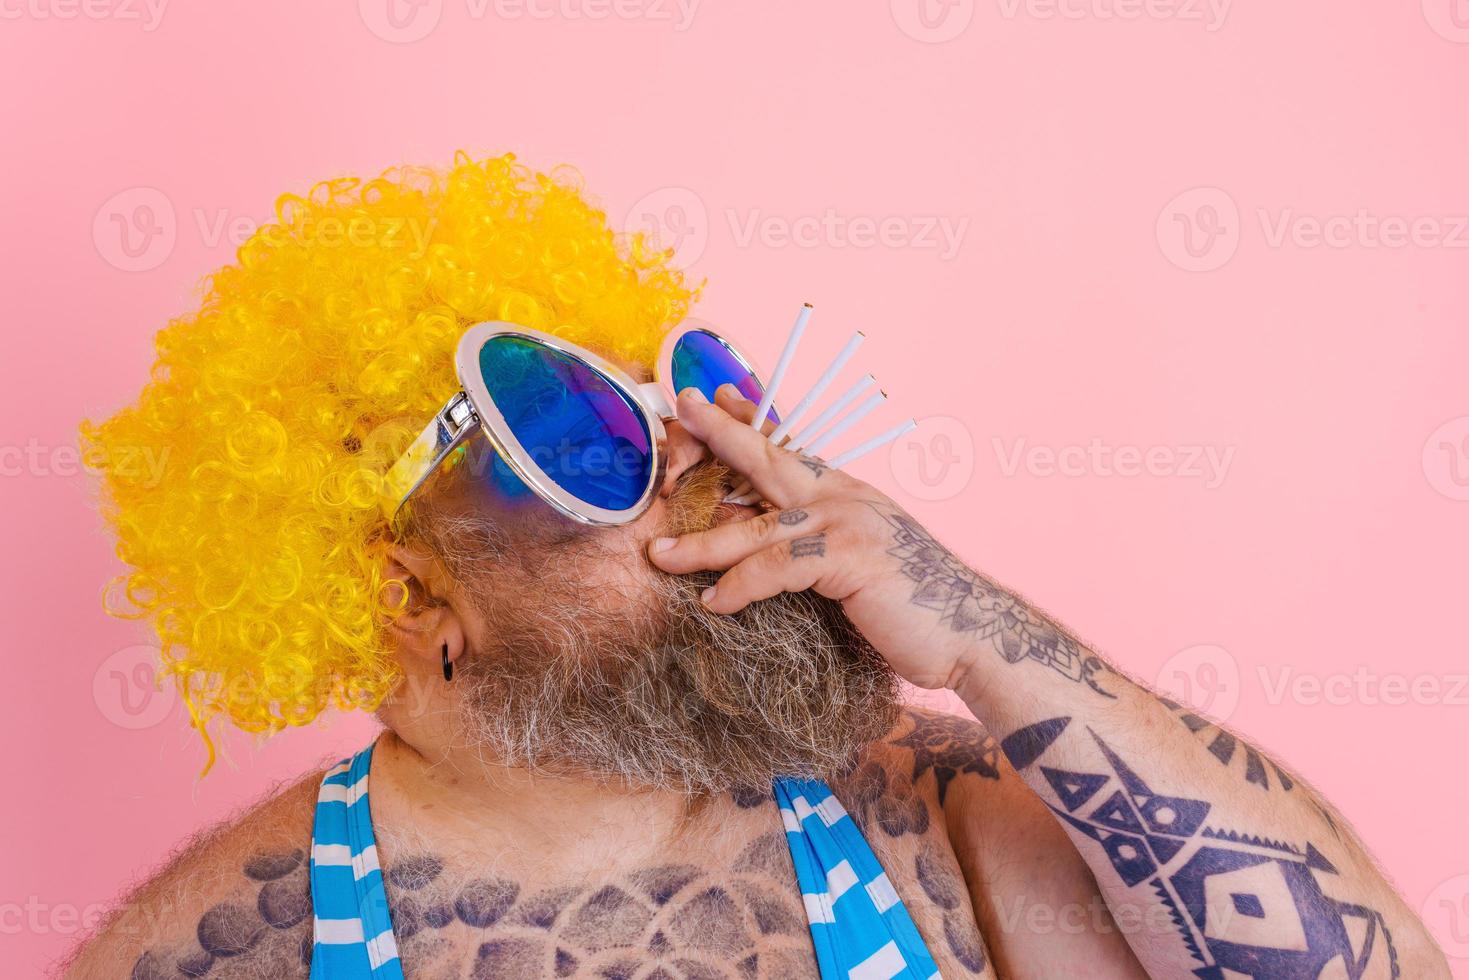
(859, 927)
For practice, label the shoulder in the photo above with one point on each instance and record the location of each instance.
(239, 891)
(956, 770)
(911, 776)
(936, 752)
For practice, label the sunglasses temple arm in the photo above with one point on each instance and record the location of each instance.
(449, 429)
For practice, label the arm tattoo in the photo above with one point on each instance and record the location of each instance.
(1243, 905)
(811, 546)
(969, 603)
(876, 800)
(1256, 767)
(1231, 751)
(950, 746)
(943, 886)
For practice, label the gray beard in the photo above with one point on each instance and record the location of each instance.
(652, 689)
(679, 698)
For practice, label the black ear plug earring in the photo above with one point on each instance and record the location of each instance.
(448, 667)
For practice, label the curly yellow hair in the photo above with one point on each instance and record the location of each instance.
(254, 550)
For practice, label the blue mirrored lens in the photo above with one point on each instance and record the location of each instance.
(580, 430)
(700, 360)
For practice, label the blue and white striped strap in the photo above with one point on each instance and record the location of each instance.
(858, 923)
(353, 927)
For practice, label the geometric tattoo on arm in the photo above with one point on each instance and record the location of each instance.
(1244, 906)
(969, 603)
(1230, 750)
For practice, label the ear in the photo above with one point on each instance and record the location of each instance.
(429, 624)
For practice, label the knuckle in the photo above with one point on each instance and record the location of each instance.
(775, 559)
(765, 525)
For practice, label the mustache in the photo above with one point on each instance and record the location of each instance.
(697, 494)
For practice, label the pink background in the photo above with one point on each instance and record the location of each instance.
(1084, 299)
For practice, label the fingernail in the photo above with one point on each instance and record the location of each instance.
(663, 544)
(708, 595)
(695, 394)
(730, 391)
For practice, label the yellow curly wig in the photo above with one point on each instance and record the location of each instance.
(256, 554)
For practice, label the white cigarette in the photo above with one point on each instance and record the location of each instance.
(799, 328)
(749, 497)
(797, 442)
(832, 411)
(827, 376)
(852, 418)
(837, 462)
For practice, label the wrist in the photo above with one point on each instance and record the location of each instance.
(967, 677)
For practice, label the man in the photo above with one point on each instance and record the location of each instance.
(665, 745)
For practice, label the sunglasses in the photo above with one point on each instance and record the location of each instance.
(568, 425)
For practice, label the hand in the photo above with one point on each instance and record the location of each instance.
(828, 532)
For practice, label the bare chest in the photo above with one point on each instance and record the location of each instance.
(730, 908)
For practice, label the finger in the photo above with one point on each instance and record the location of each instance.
(725, 546)
(782, 477)
(792, 566)
(729, 398)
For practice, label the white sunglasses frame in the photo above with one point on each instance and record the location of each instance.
(472, 409)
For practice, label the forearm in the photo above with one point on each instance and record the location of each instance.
(1208, 852)
(1246, 878)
